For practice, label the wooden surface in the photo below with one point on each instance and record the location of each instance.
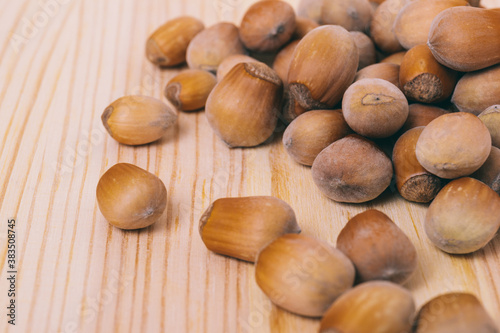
(78, 274)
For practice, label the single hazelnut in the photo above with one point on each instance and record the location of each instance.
(352, 169)
(167, 46)
(377, 247)
(464, 216)
(453, 145)
(267, 25)
(243, 108)
(310, 9)
(371, 307)
(413, 182)
(241, 227)
(422, 115)
(302, 27)
(423, 79)
(212, 45)
(350, 14)
(456, 312)
(313, 131)
(283, 59)
(374, 108)
(366, 49)
(381, 25)
(302, 274)
(137, 120)
(189, 89)
(384, 71)
(130, 197)
(491, 119)
(228, 63)
(395, 58)
(489, 172)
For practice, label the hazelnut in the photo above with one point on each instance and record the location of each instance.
(267, 25)
(453, 145)
(189, 89)
(454, 313)
(395, 58)
(384, 71)
(241, 227)
(130, 197)
(352, 169)
(422, 115)
(350, 14)
(371, 307)
(137, 120)
(302, 27)
(491, 119)
(381, 25)
(312, 132)
(167, 46)
(310, 9)
(212, 45)
(302, 274)
(413, 182)
(464, 216)
(283, 59)
(489, 172)
(423, 79)
(228, 63)
(366, 49)
(243, 108)
(374, 108)
(377, 247)
(323, 66)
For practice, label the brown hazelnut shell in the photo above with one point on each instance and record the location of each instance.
(384, 71)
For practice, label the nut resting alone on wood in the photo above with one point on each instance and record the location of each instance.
(453, 145)
(489, 172)
(491, 119)
(212, 45)
(352, 169)
(167, 46)
(137, 120)
(130, 197)
(463, 217)
(371, 307)
(457, 312)
(189, 90)
(267, 25)
(377, 247)
(413, 182)
(312, 132)
(243, 108)
(302, 274)
(374, 108)
(323, 66)
(423, 79)
(241, 227)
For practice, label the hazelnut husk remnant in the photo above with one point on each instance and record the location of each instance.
(463, 217)
(457, 312)
(371, 307)
(352, 169)
(312, 132)
(302, 274)
(189, 90)
(454, 145)
(413, 182)
(377, 247)
(167, 46)
(130, 197)
(241, 227)
(137, 120)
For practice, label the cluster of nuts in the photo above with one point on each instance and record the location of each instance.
(350, 120)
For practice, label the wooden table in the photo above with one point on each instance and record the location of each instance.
(59, 68)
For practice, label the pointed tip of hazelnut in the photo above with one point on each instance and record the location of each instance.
(262, 71)
(204, 218)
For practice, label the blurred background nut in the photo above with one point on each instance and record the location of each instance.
(463, 217)
(130, 197)
(395, 58)
(228, 63)
(283, 59)
(366, 49)
(310, 9)
(377, 247)
(423, 79)
(267, 25)
(302, 274)
(413, 182)
(137, 120)
(421, 115)
(167, 46)
(453, 145)
(476, 91)
(302, 27)
(489, 172)
(352, 169)
(371, 307)
(189, 89)
(454, 313)
(350, 14)
(491, 119)
(381, 26)
(243, 108)
(374, 108)
(312, 132)
(241, 227)
(212, 45)
(384, 71)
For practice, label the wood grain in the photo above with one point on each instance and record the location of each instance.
(78, 274)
